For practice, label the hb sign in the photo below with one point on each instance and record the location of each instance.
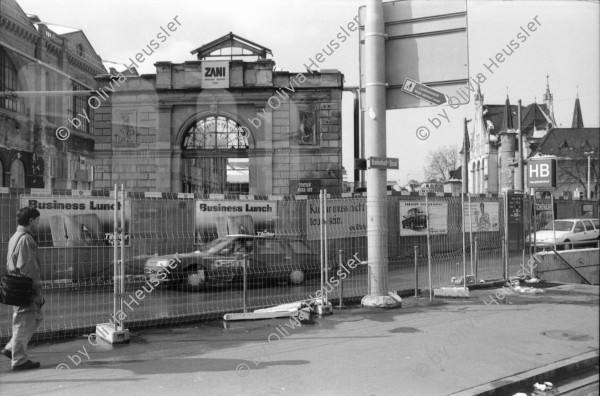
(541, 173)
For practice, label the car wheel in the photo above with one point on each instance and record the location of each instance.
(296, 277)
(194, 278)
(568, 246)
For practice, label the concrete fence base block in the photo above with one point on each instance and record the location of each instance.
(457, 292)
(381, 301)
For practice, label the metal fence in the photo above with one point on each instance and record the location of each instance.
(283, 242)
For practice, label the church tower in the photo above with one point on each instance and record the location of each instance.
(577, 118)
(549, 102)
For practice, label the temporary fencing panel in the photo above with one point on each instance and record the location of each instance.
(276, 242)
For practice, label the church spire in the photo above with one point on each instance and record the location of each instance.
(479, 95)
(577, 118)
(507, 120)
(549, 100)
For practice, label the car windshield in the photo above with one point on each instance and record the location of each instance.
(216, 245)
(559, 225)
(300, 247)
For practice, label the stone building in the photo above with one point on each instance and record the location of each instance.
(177, 130)
(40, 65)
(493, 149)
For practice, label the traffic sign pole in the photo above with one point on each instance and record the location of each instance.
(375, 126)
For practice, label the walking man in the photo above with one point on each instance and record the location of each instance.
(23, 258)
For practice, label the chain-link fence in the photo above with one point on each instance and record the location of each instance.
(188, 257)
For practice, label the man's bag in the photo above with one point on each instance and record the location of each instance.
(16, 290)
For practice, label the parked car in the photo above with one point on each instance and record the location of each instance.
(222, 260)
(569, 233)
(415, 219)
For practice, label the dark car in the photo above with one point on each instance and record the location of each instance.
(415, 219)
(222, 260)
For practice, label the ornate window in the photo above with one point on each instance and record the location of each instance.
(216, 133)
(9, 81)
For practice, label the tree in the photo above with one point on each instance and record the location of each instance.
(440, 162)
(572, 164)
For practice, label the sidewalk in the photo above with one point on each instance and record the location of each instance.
(464, 346)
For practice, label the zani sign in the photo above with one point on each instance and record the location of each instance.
(215, 75)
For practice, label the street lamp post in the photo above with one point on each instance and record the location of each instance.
(589, 174)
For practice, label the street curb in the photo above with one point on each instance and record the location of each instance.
(525, 380)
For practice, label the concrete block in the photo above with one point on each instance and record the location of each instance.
(456, 292)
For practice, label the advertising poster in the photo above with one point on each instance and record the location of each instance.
(218, 218)
(345, 218)
(484, 216)
(413, 218)
(76, 221)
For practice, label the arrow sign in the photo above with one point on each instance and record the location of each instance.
(423, 92)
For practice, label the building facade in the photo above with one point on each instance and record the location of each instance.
(179, 130)
(494, 149)
(40, 66)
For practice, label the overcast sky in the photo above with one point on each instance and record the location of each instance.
(565, 46)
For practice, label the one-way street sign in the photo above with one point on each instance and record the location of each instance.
(421, 91)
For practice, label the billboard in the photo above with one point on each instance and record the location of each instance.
(345, 218)
(215, 74)
(484, 216)
(413, 218)
(76, 221)
(216, 218)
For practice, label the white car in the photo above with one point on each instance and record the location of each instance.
(567, 231)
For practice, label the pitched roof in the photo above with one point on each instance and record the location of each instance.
(574, 138)
(231, 41)
(577, 118)
(535, 116)
(507, 117)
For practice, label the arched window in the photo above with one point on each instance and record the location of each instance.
(9, 81)
(216, 133)
(80, 50)
(17, 174)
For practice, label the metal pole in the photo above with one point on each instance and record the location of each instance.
(476, 269)
(470, 232)
(589, 181)
(122, 243)
(503, 258)
(534, 223)
(462, 207)
(375, 123)
(505, 238)
(416, 271)
(521, 175)
(326, 245)
(553, 226)
(321, 221)
(341, 262)
(245, 291)
(428, 248)
(115, 261)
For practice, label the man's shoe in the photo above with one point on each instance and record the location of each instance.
(6, 353)
(27, 365)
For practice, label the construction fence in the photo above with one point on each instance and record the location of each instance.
(187, 257)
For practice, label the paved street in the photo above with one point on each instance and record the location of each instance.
(450, 346)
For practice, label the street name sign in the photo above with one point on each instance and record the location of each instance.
(423, 92)
(541, 173)
(426, 42)
(383, 163)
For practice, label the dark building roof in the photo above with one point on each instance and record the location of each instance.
(456, 174)
(577, 118)
(533, 115)
(560, 139)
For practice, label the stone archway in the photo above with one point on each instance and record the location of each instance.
(209, 145)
